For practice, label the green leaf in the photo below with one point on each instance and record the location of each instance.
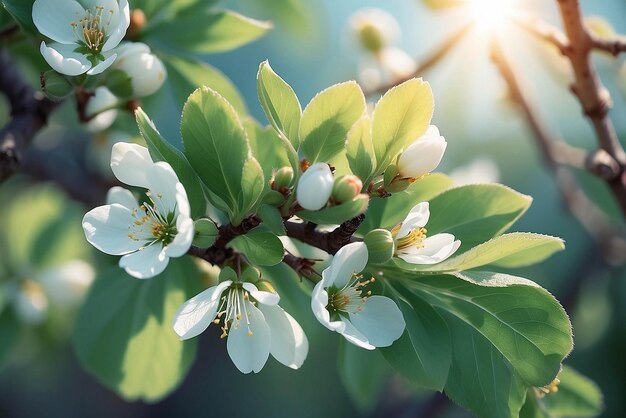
(186, 75)
(272, 219)
(577, 397)
(363, 373)
(124, 335)
(269, 148)
(217, 148)
(506, 336)
(9, 333)
(487, 210)
(400, 117)
(279, 102)
(119, 83)
(22, 12)
(327, 119)
(337, 214)
(388, 212)
(56, 86)
(424, 362)
(204, 31)
(260, 248)
(161, 150)
(514, 249)
(360, 150)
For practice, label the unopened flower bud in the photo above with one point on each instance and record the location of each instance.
(137, 23)
(375, 29)
(347, 188)
(423, 155)
(380, 245)
(282, 178)
(146, 71)
(31, 303)
(315, 187)
(101, 107)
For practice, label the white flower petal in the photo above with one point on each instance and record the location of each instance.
(146, 262)
(353, 335)
(249, 352)
(53, 18)
(183, 239)
(266, 298)
(315, 187)
(119, 26)
(103, 65)
(122, 197)
(163, 185)
(350, 259)
(106, 228)
(96, 108)
(435, 250)
(64, 60)
(417, 218)
(67, 284)
(131, 163)
(423, 155)
(319, 300)
(380, 321)
(289, 343)
(195, 315)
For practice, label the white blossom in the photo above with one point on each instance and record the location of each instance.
(412, 243)
(145, 70)
(315, 187)
(146, 235)
(85, 33)
(423, 155)
(251, 319)
(101, 108)
(340, 302)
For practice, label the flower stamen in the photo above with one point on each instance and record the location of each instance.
(352, 297)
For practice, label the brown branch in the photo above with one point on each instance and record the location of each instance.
(331, 242)
(545, 31)
(613, 46)
(432, 58)
(29, 113)
(593, 220)
(302, 266)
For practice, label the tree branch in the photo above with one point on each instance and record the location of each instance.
(545, 31)
(217, 254)
(331, 242)
(613, 46)
(609, 239)
(436, 55)
(29, 113)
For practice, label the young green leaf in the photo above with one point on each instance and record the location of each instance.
(161, 150)
(204, 31)
(124, 335)
(327, 119)
(360, 150)
(260, 248)
(269, 148)
(272, 218)
(186, 75)
(517, 249)
(488, 210)
(337, 214)
(389, 211)
(217, 148)
(22, 12)
(578, 396)
(280, 103)
(401, 116)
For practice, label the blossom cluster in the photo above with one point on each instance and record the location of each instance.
(87, 39)
(148, 231)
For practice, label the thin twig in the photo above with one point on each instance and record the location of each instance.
(543, 30)
(29, 113)
(613, 46)
(431, 59)
(331, 242)
(607, 236)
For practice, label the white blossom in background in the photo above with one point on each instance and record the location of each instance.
(67, 284)
(480, 170)
(251, 319)
(340, 302)
(423, 155)
(30, 302)
(315, 187)
(101, 107)
(146, 71)
(146, 235)
(414, 246)
(384, 68)
(85, 33)
(374, 28)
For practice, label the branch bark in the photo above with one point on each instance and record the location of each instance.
(29, 113)
(331, 242)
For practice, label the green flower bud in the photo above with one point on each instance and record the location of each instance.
(55, 85)
(282, 178)
(205, 233)
(380, 245)
(347, 188)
